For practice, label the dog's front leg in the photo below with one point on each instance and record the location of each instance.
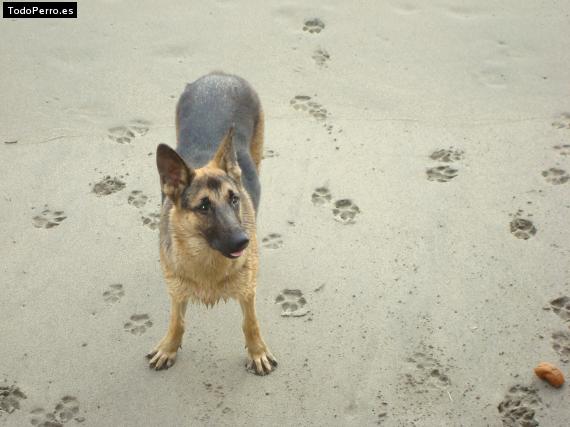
(261, 361)
(163, 355)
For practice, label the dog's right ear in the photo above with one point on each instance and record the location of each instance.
(175, 176)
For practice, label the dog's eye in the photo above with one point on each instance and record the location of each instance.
(204, 205)
(234, 199)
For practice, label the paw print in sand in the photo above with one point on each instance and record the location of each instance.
(313, 108)
(522, 228)
(269, 154)
(138, 324)
(345, 211)
(65, 410)
(561, 307)
(313, 26)
(563, 149)
(292, 302)
(272, 241)
(10, 397)
(556, 176)
(48, 219)
(447, 155)
(441, 173)
(126, 134)
(321, 57)
(114, 293)
(137, 199)
(519, 406)
(321, 196)
(108, 186)
(151, 220)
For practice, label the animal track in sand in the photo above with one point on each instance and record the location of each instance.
(114, 293)
(272, 241)
(313, 26)
(304, 103)
(427, 374)
(561, 345)
(441, 173)
(125, 134)
(345, 211)
(556, 176)
(563, 122)
(447, 155)
(65, 410)
(10, 397)
(519, 406)
(48, 218)
(138, 324)
(424, 377)
(321, 57)
(137, 199)
(151, 220)
(269, 154)
(382, 411)
(292, 302)
(563, 149)
(321, 196)
(108, 186)
(561, 307)
(522, 228)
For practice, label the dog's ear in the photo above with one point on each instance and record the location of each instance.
(175, 176)
(226, 158)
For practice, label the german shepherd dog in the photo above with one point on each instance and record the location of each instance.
(210, 196)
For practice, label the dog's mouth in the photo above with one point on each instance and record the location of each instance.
(236, 254)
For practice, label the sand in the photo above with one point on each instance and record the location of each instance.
(415, 204)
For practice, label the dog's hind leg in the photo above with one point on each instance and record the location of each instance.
(261, 361)
(163, 355)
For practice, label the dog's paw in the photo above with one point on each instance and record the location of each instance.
(261, 363)
(162, 357)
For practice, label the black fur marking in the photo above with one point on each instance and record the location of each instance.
(213, 183)
(186, 198)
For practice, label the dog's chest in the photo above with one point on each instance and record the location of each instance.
(203, 277)
(210, 293)
(209, 289)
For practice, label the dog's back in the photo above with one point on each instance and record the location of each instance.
(206, 110)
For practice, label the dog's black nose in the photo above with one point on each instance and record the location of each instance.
(239, 242)
(232, 245)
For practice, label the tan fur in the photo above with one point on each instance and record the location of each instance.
(201, 273)
(257, 141)
(194, 271)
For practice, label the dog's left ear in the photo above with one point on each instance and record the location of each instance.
(226, 158)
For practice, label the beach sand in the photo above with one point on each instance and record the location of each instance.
(414, 214)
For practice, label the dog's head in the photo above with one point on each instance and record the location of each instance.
(209, 199)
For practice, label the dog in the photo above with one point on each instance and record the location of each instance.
(210, 197)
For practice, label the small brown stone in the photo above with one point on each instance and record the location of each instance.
(548, 372)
